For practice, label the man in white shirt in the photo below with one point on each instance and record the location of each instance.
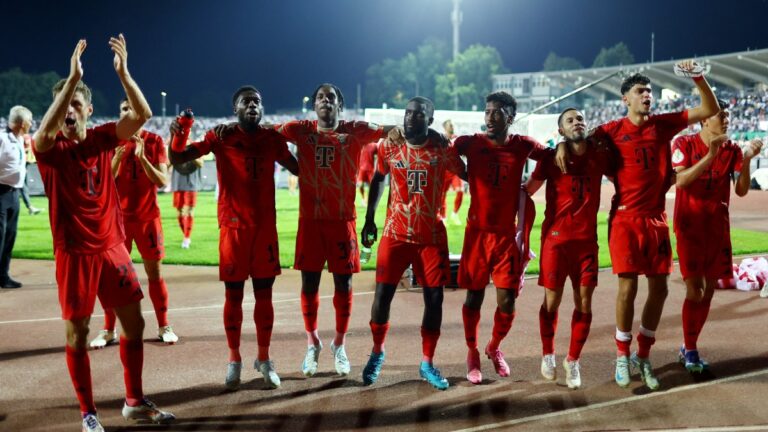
(12, 172)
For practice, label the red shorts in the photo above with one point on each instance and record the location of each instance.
(365, 176)
(576, 259)
(640, 244)
(108, 274)
(184, 199)
(148, 236)
(335, 242)
(431, 266)
(248, 252)
(705, 252)
(488, 255)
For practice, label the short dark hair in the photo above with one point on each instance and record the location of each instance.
(80, 87)
(560, 118)
(335, 88)
(426, 102)
(125, 99)
(507, 101)
(723, 104)
(241, 90)
(632, 80)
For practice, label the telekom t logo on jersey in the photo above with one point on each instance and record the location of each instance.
(324, 156)
(580, 185)
(498, 173)
(417, 181)
(645, 156)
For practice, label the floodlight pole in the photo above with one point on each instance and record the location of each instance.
(163, 94)
(456, 18)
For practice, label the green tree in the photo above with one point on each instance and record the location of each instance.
(554, 62)
(468, 77)
(395, 81)
(618, 54)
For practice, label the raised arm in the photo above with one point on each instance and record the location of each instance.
(140, 113)
(708, 106)
(157, 174)
(745, 177)
(189, 153)
(53, 120)
(117, 160)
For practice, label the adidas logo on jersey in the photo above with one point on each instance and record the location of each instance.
(399, 164)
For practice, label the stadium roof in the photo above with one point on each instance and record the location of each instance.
(739, 71)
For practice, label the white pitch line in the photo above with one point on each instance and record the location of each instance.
(600, 405)
(181, 309)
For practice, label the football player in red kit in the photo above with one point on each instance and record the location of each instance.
(413, 234)
(705, 164)
(140, 168)
(248, 247)
(569, 240)
(638, 234)
(87, 226)
(495, 163)
(329, 153)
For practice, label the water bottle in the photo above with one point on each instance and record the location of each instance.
(185, 119)
(365, 254)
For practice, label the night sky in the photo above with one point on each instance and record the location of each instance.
(201, 51)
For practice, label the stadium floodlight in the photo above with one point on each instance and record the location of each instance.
(163, 94)
(304, 104)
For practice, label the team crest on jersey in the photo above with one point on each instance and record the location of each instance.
(677, 156)
(433, 162)
(342, 138)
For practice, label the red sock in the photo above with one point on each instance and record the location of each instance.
(158, 293)
(429, 343)
(379, 333)
(342, 304)
(502, 322)
(233, 321)
(644, 345)
(547, 329)
(132, 356)
(457, 201)
(79, 365)
(190, 223)
(694, 317)
(110, 319)
(703, 314)
(264, 317)
(580, 324)
(182, 223)
(623, 347)
(471, 324)
(690, 335)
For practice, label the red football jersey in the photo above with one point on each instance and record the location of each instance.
(328, 164)
(245, 165)
(573, 198)
(417, 174)
(138, 195)
(367, 156)
(494, 173)
(710, 194)
(84, 206)
(643, 167)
